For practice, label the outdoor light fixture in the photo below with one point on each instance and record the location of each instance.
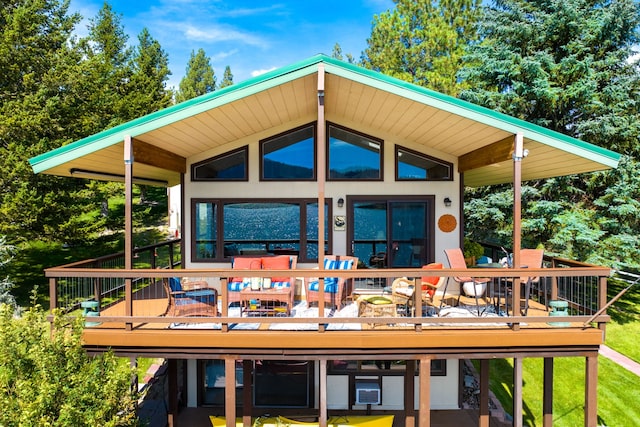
(447, 202)
(103, 176)
(340, 202)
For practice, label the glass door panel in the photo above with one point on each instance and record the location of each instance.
(391, 233)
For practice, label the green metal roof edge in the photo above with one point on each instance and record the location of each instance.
(171, 114)
(362, 75)
(482, 114)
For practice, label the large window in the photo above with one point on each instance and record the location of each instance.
(414, 166)
(289, 156)
(224, 228)
(231, 166)
(352, 155)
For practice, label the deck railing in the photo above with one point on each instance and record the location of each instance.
(145, 301)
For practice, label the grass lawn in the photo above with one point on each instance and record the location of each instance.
(617, 387)
(617, 405)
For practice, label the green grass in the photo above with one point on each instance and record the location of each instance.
(617, 388)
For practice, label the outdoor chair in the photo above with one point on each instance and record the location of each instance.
(403, 289)
(456, 260)
(529, 258)
(195, 302)
(335, 288)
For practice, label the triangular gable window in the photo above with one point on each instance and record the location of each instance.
(230, 166)
(414, 166)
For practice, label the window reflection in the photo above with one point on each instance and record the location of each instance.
(414, 166)
(353, 156)
(289, 156)
(231, 166)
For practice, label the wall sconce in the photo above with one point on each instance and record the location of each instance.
(447, 202)
(340, 202)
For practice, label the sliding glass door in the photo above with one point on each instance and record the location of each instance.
(391, 232)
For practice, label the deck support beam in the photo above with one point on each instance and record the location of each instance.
(409, 394)
(230, 391)
(425, 392)
(172, 412)
(517, 392)
(484, 393)
(247, 398)
(322, 418)
(547, 398)
(591, 391)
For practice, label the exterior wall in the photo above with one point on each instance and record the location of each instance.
(254, 188)
(444, 391)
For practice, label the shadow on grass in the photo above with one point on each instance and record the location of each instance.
(627, 308)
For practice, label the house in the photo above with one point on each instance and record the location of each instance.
(388, 161)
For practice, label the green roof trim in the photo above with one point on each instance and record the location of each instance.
(364, 76)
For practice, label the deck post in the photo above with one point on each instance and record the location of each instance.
(409, 394)
(172, 412)
(591, 391)
(484, 394)
(547, 398)
(247, 407)
(517, 392)
(322, 156)
(230, 391)
(322, 418)
(128, 225)
(425, 392)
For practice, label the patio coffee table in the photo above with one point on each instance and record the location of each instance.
(273, 295)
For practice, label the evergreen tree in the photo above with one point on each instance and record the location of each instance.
(199, 79)
(564, 64)
(423, 41)
(227, 78)
(337, 54)
(147, 91)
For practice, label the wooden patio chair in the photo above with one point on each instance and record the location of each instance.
(335, 288)
(196, 302)
(530, 258)
(456, 260)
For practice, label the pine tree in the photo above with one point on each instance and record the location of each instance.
(199, 79)
(227, 78)
(423, 41)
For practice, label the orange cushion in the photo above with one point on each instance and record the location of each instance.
(433, 280)
(241, 263)
(281, 262)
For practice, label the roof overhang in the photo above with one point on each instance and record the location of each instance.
(481, 139)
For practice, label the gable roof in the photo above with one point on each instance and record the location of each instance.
(479, 137)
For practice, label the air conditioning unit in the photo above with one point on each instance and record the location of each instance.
(367, 393)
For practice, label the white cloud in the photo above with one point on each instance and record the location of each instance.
(259, 72)
(214, 34)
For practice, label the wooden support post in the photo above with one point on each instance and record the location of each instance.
(409, 394)
(547, 398)
(322, 155)
(230, 391)
(128, 225)
(247, 392)
(591, 391)
(517, 392)
(172, 411)
(424, 393)
(323, 417)
(484, 394)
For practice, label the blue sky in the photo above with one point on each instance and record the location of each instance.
(250, 36)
